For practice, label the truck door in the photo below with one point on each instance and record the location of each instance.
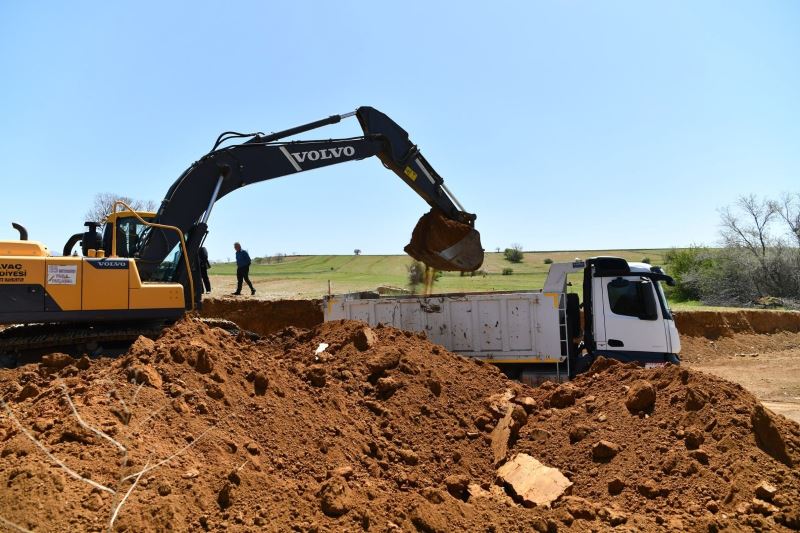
(628, 317)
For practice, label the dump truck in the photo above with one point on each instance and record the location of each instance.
(540, 334)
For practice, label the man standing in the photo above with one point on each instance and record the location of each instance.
(204, 266)
(242, 269)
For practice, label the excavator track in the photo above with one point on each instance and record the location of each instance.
(22, 343)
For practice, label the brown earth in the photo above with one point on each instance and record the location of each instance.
(691, 460)
(265, 317)
(380, 431)
(434, 233)
(758, 349)
(768, 365)
(716, 324)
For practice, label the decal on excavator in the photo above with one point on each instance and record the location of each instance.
(325, 153)
(62, 274)
(105, 264)
(12, 273)
(410, 173)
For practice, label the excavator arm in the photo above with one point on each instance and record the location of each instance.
(445, 238)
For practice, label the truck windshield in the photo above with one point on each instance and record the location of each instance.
(626, 298)
(665, 310)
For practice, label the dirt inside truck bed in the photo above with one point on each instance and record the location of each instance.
(346, 428)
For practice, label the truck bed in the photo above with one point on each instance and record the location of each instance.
(500, 327)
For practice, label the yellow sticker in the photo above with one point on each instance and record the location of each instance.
(411, 174)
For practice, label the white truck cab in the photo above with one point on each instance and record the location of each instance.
(627, 316)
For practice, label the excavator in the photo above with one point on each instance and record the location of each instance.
(140, 271)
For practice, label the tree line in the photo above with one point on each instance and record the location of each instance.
(757, 264)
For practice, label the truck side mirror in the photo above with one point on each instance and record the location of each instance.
(648, 299)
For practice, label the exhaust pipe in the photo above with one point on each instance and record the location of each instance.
(23, 233)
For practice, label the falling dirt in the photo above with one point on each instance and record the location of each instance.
(430, 278)
(380, 430)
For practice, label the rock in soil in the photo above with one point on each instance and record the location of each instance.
(641, 396)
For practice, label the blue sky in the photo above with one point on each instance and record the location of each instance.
(563, 125)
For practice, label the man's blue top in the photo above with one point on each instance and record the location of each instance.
(242, 258)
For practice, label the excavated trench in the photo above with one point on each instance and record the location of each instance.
(265, 317)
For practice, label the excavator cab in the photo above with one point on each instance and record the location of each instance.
(130, 232)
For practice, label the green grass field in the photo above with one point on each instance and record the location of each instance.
(308, 276)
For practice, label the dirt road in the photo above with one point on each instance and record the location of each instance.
(266, 289)
(766, 365)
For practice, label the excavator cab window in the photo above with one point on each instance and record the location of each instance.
(166, 270)
(130, 235)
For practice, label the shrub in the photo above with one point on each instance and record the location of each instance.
(508, 271)
(646, 260)
(514, 254)
(548, 261)
(416, 273)
(693, 269)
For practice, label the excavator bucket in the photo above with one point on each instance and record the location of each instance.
(445, 244)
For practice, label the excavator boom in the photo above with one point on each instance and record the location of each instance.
(445, 239)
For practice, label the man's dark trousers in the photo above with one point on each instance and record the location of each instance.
(204, 277)
(242, 274)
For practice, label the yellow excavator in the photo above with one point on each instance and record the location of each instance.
(141, 271)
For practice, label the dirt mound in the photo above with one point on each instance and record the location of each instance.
(716, 324)
(266, 317)
(346, 428)
(693, 460)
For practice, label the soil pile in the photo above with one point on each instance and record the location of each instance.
(670, 446)
(347, 428)
(265, 317)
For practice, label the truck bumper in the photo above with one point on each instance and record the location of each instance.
(646, 359)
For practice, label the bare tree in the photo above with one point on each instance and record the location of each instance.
(103, 204)
(751, 232)
(788, 209)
